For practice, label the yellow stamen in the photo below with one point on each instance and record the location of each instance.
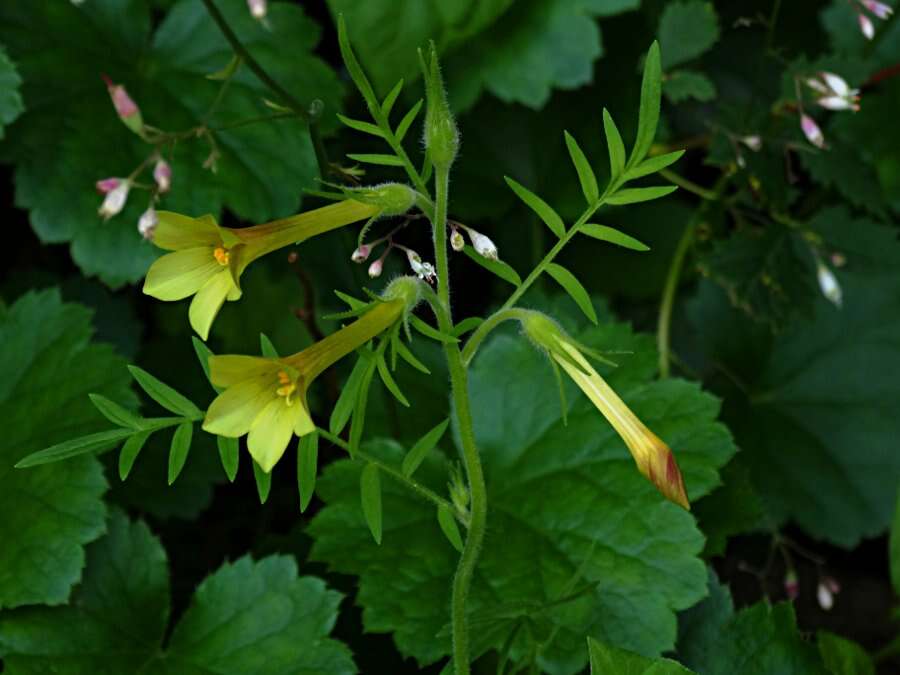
(287, 387)
(221, 256)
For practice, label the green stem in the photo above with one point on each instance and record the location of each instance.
(462, 581)
(688, 185)
(310, 115)
(485, 328)
(413, 485)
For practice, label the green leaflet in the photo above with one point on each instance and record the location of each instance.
(370, 496)
(585, 173)
(648, 118)
(544, 211)
(573, 287)
(498, 267)
(163, 394)
(263, 482)
(116, 622)
(635, 195)
(614, 145)
(422, 447)
(307, 468)
(613, 236)
(178, 452)
(48, 366)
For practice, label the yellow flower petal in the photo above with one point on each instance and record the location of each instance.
(209, 301)
(230, 369)
(181, 274)
(271, 432)
(175, 232)
(303, 423)
(233, 411)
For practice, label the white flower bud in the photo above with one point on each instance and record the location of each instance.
(812, 131)
(483, 245)
(829, 285)
(866, 26)
(376, 268)
(162, 174)
(825, 597)
(115, 200)
(147, 223)
(456, 240)
(361, 254)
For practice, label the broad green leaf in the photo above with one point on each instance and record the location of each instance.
(422, 447)
(517, 52)
(614, 145)
(178, 452)
(569, 516)
(115, 413)
(842, 656)
(813, 414)
(613, 236)
(687, 29)
(449, 527)
(497, 267)
(48, 366)
(163, 394)
(653, 164)
(343, 408)
(573, 287)
(635, 195)
(82, 445)
(683, 85)
(11, 105)
(229, 454)
(609, 660)
(734, 507)
(762, 638)
(248, 616)
(262, 166)
(307, 468)
(375, 158)
(544, 211)
(129, 452)
(370, 496)
(648, 118)
(585, 173)
(263, 482)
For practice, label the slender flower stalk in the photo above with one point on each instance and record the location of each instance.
(265, 398)
(653, 457)
(208, 260)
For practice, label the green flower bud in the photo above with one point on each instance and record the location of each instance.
(441, 134)
(408, 289)
(392, 199)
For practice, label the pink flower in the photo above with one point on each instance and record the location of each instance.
(879, 9)
(107, 185)
(361, 254)
(866, 26)
(812, 131)
(126, 108)
(162, 174)
(791, 585)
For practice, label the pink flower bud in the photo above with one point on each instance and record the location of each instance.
(865, 25)
(791, 585)
(376, 268)
(361, 254)
(162, 174)
(456, 240)
(879, 9)
(812, 131)
(107, 185)
(126, 108)
(258, 9)
(147, 223)
(115, 200)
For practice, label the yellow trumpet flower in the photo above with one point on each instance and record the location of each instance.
(653, 457)
(266, 398)
(208, 260)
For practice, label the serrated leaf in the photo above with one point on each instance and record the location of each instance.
(129, 452)
(449, 527)
(376, 158)
(343, 407)
(566, 508)
(635, 195)
(119, 616)
(607, 660)
(422, 447)
(496, 267)
(263, 482)
(11, 105)
(407, 121)
(178, 452)
(613, 236)
(573, 287)
(614, 144)
(365, 127)
(683, 85)
(229, 455)
(653, 164)
(115, 413)
(687, 29)
(48, 365)
(370, 496)
(163, 394)
(261, 167)
(585, 173)
(544, 211)
(648, 117)
(307, 468)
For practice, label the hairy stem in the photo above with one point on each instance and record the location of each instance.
(462, 581)
(488, 325)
